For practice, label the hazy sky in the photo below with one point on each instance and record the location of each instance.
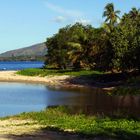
(27, 22)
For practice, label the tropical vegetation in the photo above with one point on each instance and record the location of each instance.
(113, 46)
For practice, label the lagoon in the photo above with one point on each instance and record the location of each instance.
(16, 98)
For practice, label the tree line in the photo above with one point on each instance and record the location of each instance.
(113, 46)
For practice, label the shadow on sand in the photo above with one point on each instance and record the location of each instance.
(103, 80)
(50, 133)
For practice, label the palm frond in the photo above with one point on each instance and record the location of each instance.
(105, 13)
(74, 45)
(117, 12)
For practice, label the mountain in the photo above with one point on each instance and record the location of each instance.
(34, 50)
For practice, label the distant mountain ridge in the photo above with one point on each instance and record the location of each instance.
(34, 50)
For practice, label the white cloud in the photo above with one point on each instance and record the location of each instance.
(67, 12)
(59, 19)
(83, 21)
(67, 15)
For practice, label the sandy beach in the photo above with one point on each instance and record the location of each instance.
(11, 76)
(51, 80)
(15, 129)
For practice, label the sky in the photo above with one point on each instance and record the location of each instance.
(27, 22)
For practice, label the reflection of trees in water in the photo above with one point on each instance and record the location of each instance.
(126, 101)
(94, 101)
(130, 103)
(109, 105)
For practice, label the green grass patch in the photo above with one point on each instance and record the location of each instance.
(46, 72)
(59, 119)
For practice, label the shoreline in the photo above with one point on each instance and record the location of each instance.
(51, 80)
(11, 76)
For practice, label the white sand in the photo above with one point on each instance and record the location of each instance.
(11, 76)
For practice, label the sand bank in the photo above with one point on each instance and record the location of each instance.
(11, 76)
(57, 81)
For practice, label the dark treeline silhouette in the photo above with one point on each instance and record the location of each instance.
(113, 46)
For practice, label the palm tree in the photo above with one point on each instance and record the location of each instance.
(110, 14)
(134, 13)
(111, 18)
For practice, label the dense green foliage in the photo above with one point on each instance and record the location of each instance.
(71, 46)
(114, 46)
(59, 119)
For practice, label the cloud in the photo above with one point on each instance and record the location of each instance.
(67, 15)
(59, 19)
(83, 21)
(60, 10)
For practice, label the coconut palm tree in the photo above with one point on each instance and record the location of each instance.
(134, 13)
(110, 14)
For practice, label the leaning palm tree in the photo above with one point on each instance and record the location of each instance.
(110, 14)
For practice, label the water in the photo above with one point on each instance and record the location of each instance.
(19, 97)
(18, 65)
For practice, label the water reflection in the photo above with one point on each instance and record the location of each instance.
(18, 97)
(95, 101)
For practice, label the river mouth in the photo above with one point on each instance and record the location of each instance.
(16, 98)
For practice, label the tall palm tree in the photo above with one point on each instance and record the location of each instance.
(111, 18)
(110, 14)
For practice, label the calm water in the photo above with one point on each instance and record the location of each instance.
(19, 97)
(18, 65)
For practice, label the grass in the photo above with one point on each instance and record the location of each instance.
(58, 119)
(46, 72)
